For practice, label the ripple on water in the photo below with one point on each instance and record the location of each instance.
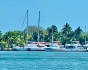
(27, 60)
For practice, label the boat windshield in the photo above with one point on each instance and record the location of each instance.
(70, 47)
(40, 45)
(54, 45)
(75, 42)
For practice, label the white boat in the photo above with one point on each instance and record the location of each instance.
(30, 47)
(53, 47)
(38, 46)
(75, 46)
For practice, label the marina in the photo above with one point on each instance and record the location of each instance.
(75, 46)
(44, 35)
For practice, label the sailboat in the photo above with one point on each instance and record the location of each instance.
(86, 44)
(37, 46)
(22, 48)
(54, 46)
(30, 46)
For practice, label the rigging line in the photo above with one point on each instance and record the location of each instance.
(22, 25)
(23, 21)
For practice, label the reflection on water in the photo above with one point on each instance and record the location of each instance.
(41, 60)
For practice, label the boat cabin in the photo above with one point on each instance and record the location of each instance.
(73, 45)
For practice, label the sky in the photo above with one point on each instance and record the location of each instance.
(52, 12)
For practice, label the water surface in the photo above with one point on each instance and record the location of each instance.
(42, 60)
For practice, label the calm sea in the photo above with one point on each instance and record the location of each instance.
(41, 60)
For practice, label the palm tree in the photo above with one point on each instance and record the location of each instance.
(66, 29)
(78, 33)
(0, 36)
(66, 33)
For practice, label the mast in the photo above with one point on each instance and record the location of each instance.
(27, 29)
(85, 34)
(52, 34)
(38, 26)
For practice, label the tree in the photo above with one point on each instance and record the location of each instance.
(66, 30)
(78, 33)
(35, 36)
(67, 34)
(0, 36)
(33, 32)
(32, 29)
(49, 33)
(1, 41)
(11, 37)
(46, 38)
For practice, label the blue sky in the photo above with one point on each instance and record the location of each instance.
(53, 12)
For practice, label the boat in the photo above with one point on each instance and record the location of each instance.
(37, 46)
(54, 46)
(30, 46)
(75, 46)
(86, 42)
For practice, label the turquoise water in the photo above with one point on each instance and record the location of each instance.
(41, 60)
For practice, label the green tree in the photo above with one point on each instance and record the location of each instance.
(48, 35)
(1, 41)
(33, 32)
(66, 30)
(0, 36)
(35, 36)
(67, 34)
(11, 37)
(78, 33)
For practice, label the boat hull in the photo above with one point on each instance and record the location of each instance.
(19, 49)
(36, 49)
